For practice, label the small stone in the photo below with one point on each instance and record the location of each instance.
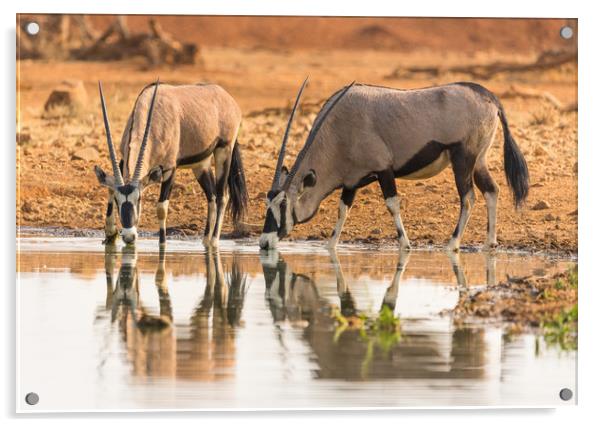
(541, 205)
(376, 231)
(540, 151)
(23, 137)
(87, 154)
(28, 207)
(549, 217)
(70, 93)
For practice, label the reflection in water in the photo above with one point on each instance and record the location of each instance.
(350, 355)
(192, 330)
(207, 351)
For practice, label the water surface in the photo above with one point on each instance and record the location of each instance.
(122, 329)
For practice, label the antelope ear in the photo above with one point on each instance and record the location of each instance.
(154, 176)
(309, 180)
(104, 179)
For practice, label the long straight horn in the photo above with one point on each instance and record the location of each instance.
(313, 132)
(116, 170)
(285, 138)
(149, 119)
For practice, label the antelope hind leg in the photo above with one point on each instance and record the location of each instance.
(386, 179)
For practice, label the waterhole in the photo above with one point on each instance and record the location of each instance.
(123, 329)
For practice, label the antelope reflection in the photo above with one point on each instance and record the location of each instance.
(430, 348)
(203, 349)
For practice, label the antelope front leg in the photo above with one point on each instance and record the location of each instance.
(345, 203)
(111, 231)
(163, 205)
(386, 179)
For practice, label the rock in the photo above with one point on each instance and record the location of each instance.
(87, 154)
(23, 137)
(541, 205)
(376, 231)
(576, 167)
(70, 94)
(539, 151)
(28, 207)
(549, 217)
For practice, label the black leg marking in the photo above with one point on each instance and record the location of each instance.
(207, 183)
(484, 181)
(489, 188)
(164, 194)
(167, 185)
(347, 196)
(221, 192)
(463, 167)
(386, 179)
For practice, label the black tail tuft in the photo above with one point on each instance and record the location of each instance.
(237, 205)
(515, 165)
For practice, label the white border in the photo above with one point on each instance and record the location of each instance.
(590, 150)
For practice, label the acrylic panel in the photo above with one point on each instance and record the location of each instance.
(264, 212)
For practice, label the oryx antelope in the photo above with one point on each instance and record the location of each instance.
(367, 133)
(174, 127)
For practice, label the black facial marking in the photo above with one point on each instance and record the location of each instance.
(270, 225)
(127, 214)
(121, 163)
(282, 230)
(424, 157)
(191, 160)
(126, 189)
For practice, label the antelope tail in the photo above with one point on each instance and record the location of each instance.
(237, 185)
(515, 165)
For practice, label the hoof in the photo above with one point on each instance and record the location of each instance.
(453, 246)
(490, 246)
(404, 245)
(110, 240)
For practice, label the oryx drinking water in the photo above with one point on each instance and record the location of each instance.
(367, 133)
(175, 127)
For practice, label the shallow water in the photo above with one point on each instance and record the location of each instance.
(184, 329)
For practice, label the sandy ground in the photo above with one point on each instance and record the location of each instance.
(54, 189)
